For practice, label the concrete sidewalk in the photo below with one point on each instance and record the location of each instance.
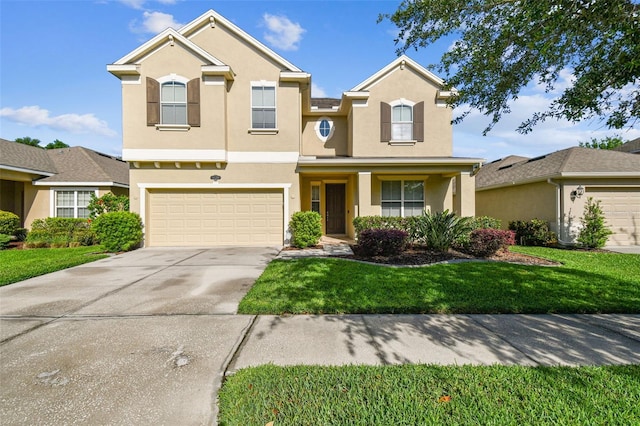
(441, 339)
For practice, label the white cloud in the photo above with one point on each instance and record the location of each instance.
(282, 33)
(139, 4)
(154, 23)
(317, 91)
(34, 116)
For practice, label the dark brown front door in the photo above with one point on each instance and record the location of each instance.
(335, 202)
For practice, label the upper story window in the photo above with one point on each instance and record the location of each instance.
(401, 121)
(263, 105)
(173, 103)
(173, 98)
(324, 128)
(72, 203)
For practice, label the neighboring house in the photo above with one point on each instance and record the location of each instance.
(37, 183)
(555, 187)
(631, 146)
(226, 143)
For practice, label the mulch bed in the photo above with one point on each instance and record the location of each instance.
(418, 255)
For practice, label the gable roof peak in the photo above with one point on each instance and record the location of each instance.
(399, 63)
(214, 19)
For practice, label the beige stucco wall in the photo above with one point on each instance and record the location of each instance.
(519, 202)
(336, 146)
(410, 85)
(225, 109)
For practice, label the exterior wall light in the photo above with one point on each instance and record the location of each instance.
(215, 178)
(577, 193)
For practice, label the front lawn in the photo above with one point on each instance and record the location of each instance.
(431, 395)
(18, 265)
(588, 282)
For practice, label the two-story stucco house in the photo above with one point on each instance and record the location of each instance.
(225, 142)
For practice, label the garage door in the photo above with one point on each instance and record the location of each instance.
(214, 217)
(621, 207)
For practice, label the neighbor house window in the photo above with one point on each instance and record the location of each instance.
(173, 101)
(72, 203)
(402, 198)
(315, 198)
(402, 123)
(263, 107)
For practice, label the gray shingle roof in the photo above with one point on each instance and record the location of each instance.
(576, 160)
(631, 146)
(325, 103)
(21, 156)
(74, 164)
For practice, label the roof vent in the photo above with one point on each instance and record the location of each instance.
(536, 159)
(505, 167)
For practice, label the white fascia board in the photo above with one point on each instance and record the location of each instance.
(301, 77)
(22, 170)
(218, 70)
(268, 157)
(218, 19)
(587, 175)
(120, 70)
(213, 185)
(396, 64)
(160, 40)
(81, 185)
(201, 155)
(391, 161)
(570, 175)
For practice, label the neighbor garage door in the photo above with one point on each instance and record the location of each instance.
(621, 208)
(214, 217)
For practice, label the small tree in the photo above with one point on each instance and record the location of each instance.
(306, 229)
(594, 232)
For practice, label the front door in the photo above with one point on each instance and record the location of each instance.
(335, 203)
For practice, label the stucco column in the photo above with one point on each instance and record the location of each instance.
(364, 194)
(465, 200)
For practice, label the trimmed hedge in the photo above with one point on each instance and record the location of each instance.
(4, 241)
(486, 242)
(382, 242)
(306, 229)
(60, 232)
(9, 223)
(118, 231)
(534, 232)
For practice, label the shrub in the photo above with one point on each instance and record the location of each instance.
(440, 230)
(362, 223)
(118, 231)
(382, 242)
(58, 232)
(486, 242)
(107, 203)
(9, 223)
(532, 233)
(306, 229)
(4, 241)
(479, 222)
(594, 232)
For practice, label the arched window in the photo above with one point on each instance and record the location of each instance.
(173, 101)
(402, 123)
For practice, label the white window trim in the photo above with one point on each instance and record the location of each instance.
(173, 127)
(331, 128)
(263, 83)
(402, 199)
(319, 200)
(401, 142)
(52, 198)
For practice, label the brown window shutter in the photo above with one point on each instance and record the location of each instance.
(193, 102)
(385, 122)
(418, 122)
(153, 102)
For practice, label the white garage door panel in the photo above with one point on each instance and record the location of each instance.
(221, 217)
(621, 207)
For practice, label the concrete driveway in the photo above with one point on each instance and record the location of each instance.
(138, 338)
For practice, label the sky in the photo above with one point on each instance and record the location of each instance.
(54, 83)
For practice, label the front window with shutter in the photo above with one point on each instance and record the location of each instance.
(173, 100)
(402, 123)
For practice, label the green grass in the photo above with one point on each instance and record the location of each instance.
(412, 395)
(18, 265)
(588, 282)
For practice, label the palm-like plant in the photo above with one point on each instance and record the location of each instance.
(440, 230)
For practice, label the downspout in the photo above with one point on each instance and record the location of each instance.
(559, 227)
